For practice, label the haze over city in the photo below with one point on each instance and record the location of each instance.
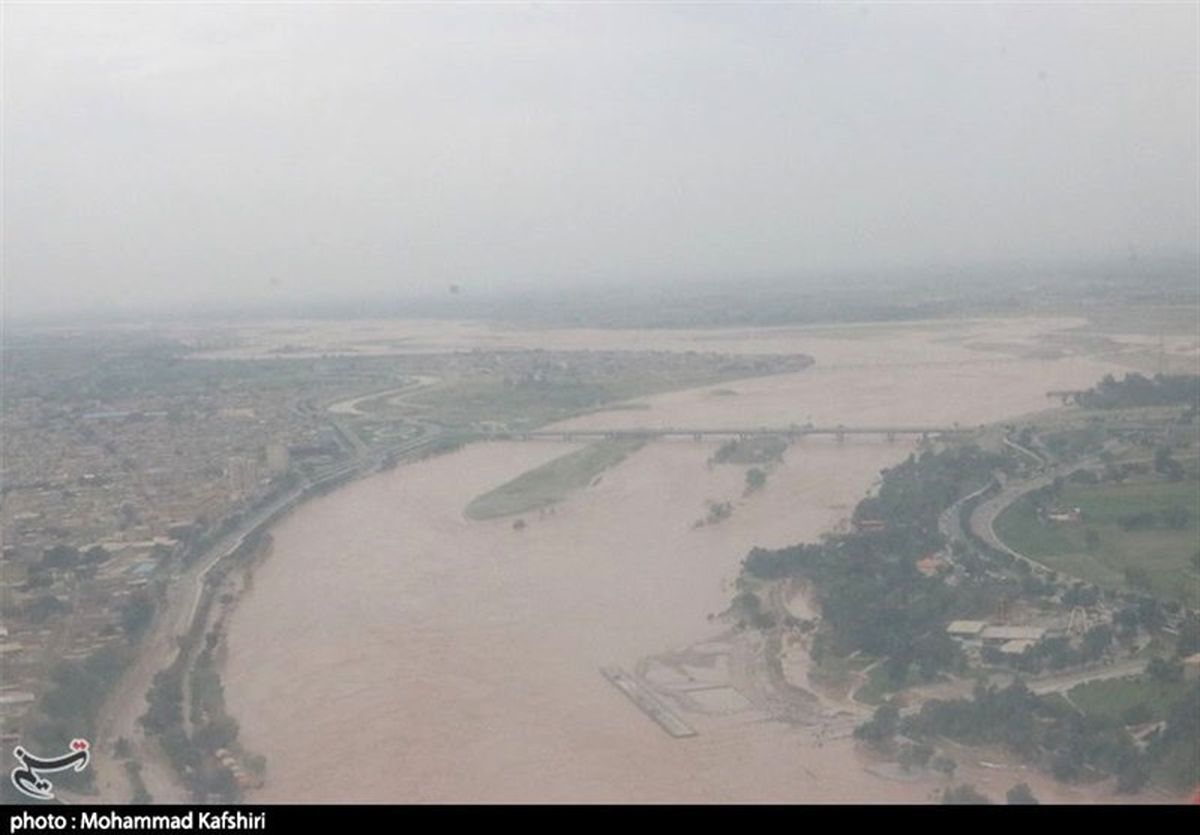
(159, 155)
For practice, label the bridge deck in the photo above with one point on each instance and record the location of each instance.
(738, 432)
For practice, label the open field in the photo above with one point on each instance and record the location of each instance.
(1111, 698)
(551, 482)
(1165, 553)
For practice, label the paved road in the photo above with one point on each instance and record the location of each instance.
(950, 520)
(1057, 683)
(1063, 683)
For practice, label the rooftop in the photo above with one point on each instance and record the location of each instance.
(1013, 633)
(966, 627)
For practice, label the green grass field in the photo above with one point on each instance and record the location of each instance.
(551, 482)
(1165, 553)
(1111, 698)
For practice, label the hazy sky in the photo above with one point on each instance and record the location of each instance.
(180, 153)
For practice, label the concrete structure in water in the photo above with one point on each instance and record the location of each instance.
(647, 702)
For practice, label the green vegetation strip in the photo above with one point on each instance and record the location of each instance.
(551, 482)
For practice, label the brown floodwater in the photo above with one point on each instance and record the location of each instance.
(392, 650)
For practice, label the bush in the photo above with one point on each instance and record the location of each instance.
(944, 764)
(1021, 795)
(964, 794)
(755, 479)
(137, 614)
(218, 733)
(879, 730)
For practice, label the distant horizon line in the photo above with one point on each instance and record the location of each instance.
(813, 285)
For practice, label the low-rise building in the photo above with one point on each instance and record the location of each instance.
(966, 629)
(999, 635)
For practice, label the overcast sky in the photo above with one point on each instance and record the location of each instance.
(172, 154)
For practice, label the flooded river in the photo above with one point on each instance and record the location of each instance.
(392, 650)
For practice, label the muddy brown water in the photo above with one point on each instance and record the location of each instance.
(392, 650)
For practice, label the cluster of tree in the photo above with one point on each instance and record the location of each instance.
(141, 795)
(165, 700)
(60, 556)
(137, 614)
(42, 608)
(203, 541)
(1143, 612)
(1138, 390)
(966, 795)
(1053, 734)
(916, 491)
(914, 754)
(718, 512)
(881, 728)
(873, 601)
(1166, 465)
(1072, 444)
(872, 596)
(756, 479)
(1021, 795)
(192, 756)
(64, 558)
(750, 612)
(68, 708)
(762, 450)
(215, 729)
(1081, 594)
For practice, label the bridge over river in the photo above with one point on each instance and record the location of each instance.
(792, 433)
